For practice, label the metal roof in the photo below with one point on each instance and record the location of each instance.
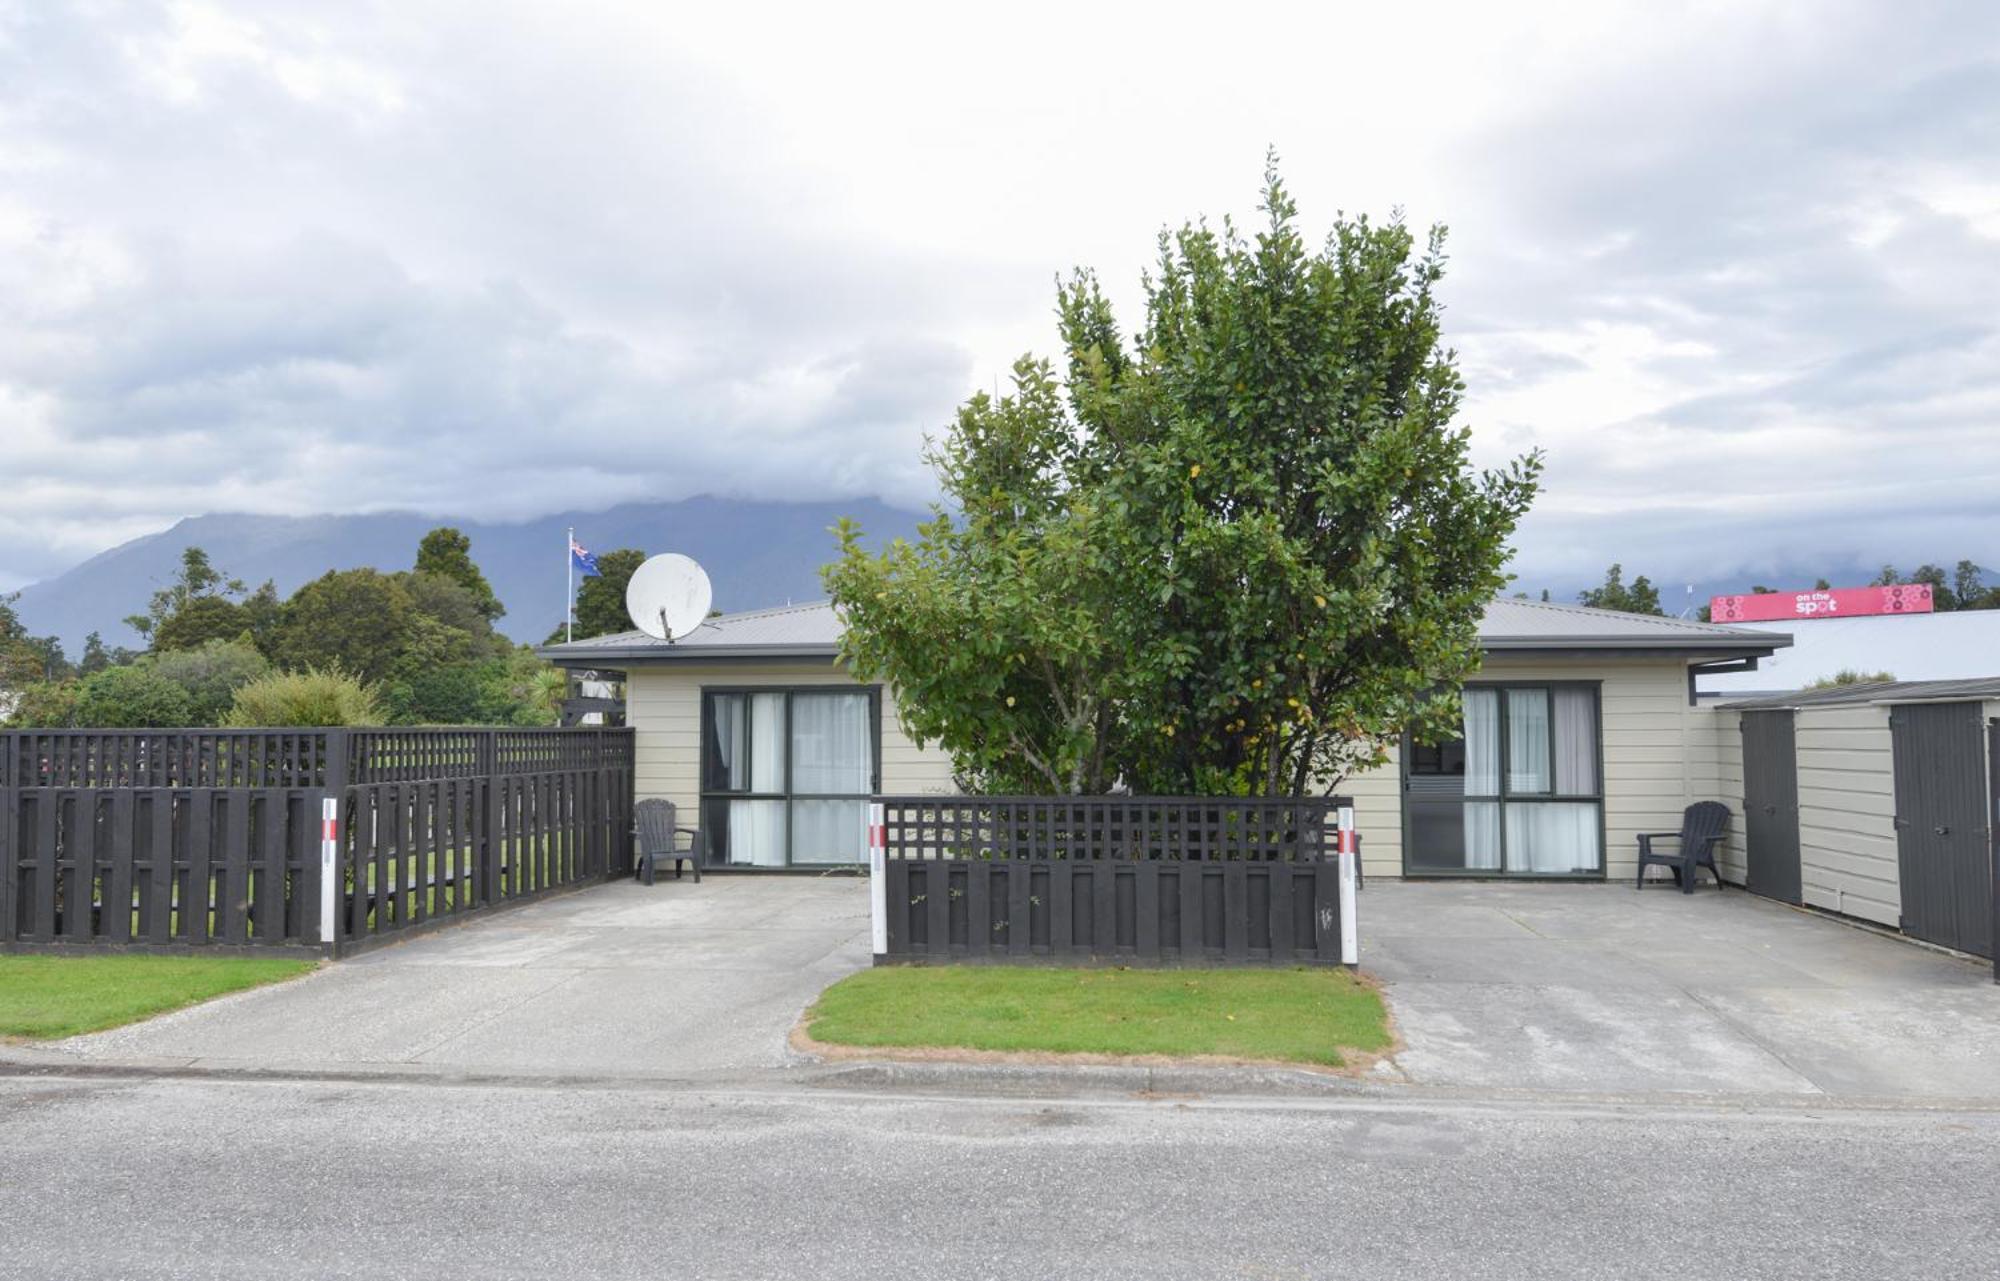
(813, 631)
(1984, 687)
(1961, 645)
(1511, 624)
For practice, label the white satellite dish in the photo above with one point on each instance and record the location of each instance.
(668, 596)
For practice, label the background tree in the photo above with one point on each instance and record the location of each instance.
(1641, 597)
(132, 698)
(1850, 676)
(97, 656)
(210, 674)
(1240, 554)
(196, 578)
(446, 553)
(357, 620)
(600, 601)
(201, 620)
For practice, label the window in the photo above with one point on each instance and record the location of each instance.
(786, 775)
(1517, 793)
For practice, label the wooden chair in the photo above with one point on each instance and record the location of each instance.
(1702, 827)
(653, 824)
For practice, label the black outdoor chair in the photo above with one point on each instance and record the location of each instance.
(653, 824)
(1702, 826)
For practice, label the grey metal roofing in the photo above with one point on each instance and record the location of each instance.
(810, 630)
(1962, 645)
(813, 631)
(1511, 624)
(1984, 687)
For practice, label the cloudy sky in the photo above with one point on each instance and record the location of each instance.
(1735, 266)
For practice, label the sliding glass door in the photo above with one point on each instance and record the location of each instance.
(786, 775)
(1518, 793)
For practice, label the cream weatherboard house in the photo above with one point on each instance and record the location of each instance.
(1581, 731)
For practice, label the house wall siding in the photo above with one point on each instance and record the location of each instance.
(1652, 742)
(663, 706)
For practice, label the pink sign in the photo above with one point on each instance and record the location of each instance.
(1841, 602)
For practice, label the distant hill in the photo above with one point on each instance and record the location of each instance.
(756, 554)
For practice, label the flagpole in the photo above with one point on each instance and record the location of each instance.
(569, 580)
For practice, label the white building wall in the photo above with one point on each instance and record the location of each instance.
(1653, 741)
(663, 707)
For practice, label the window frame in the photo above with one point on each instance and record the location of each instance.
(1505, 796)
(706, 793)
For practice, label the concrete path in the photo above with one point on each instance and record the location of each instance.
(673, 979)
(1603, 988)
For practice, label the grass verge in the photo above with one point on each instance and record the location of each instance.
(44, 997)
(1289, 1015)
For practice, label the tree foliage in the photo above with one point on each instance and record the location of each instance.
(1851, 676)
(196, 579)
(132, 698)
(1241, 553)
(313, 697)
(446, 553)
(600, 601)
(1640, 597)
(210, 675)
(356, 620)
(201, 620)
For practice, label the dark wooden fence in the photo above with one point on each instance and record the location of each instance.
(178, 840)
(1133, 880)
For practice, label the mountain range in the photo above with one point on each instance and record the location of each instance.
(756, 554)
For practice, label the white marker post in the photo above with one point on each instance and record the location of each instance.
(1350, 942)
(878, 882)
(329, 866)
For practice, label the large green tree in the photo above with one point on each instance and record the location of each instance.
(358, 621)
(446, 553)
(196, 579)
(1240, 553)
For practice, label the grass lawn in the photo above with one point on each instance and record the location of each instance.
(43, 997)
(1295, 1015)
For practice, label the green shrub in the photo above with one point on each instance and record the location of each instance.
(316, 696)
(211, 674)
(131, 698)
(43, 705)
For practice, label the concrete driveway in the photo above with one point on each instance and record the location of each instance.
(1602, 988)
(675, 979)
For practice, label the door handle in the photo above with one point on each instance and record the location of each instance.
(1942, 831)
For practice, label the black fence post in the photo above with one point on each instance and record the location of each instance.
(10, 827)
(327, 884)
(490, 838)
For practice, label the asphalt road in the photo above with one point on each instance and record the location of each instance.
(327, 1178)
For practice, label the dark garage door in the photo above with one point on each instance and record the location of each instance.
(1942, 832)
(1771, 805)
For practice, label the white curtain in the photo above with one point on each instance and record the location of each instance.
(757, 833)
(1482, 835)
(1576, 742)
(831, 747)
(767, 743)
(829, 831)
(1527, 741)
(1482, 778)
(1552, 837)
